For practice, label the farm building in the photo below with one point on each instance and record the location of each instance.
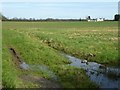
(100, 19)
(96, 20)
(91, 20)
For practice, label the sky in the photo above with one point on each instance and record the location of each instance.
(65, 10)
(59, 0)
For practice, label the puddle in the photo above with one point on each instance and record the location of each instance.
(44, 69)
(35, 67)
(24, 66)
(105, 77)
(38, 68)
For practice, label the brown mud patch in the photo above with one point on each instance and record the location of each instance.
(16, 57)
(29, 78)
(40, 81)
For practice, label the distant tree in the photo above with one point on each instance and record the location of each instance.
(49, 19)
(15, 18)
(80, 19)
(31, 19)
(2, 17)
(117, 17)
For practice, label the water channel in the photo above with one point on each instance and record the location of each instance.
(105, 77)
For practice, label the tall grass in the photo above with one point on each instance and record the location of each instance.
(34, 52)
(40, 43)
(81, 39)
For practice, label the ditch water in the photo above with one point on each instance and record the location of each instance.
(105, 77)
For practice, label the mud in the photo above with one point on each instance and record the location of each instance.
(15, 54)
(40, 81)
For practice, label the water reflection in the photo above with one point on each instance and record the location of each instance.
(106, 77)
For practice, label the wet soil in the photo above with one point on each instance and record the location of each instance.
(40, 81)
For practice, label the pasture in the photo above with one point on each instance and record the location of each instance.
(40, 43)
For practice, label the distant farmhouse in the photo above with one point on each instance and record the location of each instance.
(100, 19)
(95, 20)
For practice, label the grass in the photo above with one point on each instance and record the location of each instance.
(40, 43)
(101, 45)
(0, 55)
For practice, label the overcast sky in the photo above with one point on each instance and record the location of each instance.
(60, 9)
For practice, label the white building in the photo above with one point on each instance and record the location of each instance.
(92, 20)
(100, 19)
(96, 20)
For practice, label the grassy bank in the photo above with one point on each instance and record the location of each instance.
(40, 43)
(34, 52)
(95, 41)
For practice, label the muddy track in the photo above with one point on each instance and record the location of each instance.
(16, 57)
(40, 81)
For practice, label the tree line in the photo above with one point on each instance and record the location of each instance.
(3, 18)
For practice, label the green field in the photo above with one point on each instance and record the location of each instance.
(42, 42)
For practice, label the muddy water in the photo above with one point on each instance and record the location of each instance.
(105, 77)
(38, 68)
